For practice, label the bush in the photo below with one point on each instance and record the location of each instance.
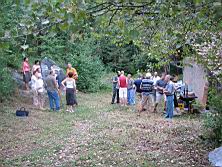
(213, 119)
(7, 84)
(88, 64)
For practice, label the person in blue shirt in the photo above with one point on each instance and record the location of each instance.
(169, 92)
(160, 97)
(137, 83)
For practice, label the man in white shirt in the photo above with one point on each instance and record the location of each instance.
(155, 78)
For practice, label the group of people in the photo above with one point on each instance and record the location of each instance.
(155, 93)
(51, 84)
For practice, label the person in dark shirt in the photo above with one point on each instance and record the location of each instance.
(137, 83)
(115, 88)
(147, 92)
(159, 86)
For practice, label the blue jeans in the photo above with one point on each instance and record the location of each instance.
(131, 96)
(54, 99)
(169, 106)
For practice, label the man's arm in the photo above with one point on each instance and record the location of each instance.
(114, 80)
(63, 82)
(158, 87)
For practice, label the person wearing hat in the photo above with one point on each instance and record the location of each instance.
(147, 92)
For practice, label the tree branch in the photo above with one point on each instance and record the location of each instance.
(112, 17)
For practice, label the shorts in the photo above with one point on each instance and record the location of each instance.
(160, 97)
(122, 92)
(27, 77)
(147, 99)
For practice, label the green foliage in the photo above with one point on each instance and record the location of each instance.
(213, 119)
(132, 36)
(7, 85)
(85, 59)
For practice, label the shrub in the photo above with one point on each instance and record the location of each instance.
(7, 84)
(213, 119)
(88, 64)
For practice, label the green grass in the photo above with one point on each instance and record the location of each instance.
(99, 134)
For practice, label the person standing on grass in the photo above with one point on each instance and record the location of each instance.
(160, 97)
(39, 87)
(70, 84)
(115, 88)
(169, 92)
(130, 90)
(137, 83)
(155, 77)
(26, 72)
(33, 88)
(52, 90)
(73, 70)
(75, 75)
(147, 92)
(122, 81)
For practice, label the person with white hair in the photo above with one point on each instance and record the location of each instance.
(147, 92)
(169, 92)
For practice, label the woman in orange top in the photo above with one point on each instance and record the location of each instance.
(72, 70)
(26, 72)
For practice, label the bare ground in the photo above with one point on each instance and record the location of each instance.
(99, 134)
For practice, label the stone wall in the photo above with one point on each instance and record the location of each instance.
(195, 76)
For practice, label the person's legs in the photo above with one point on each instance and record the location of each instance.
(117, 95)
(76, 102)
(159, 102)
(51, 101)
(42, 100)
(39, 100)
(124, 96)
(151, 102)
(143, 102)
(114, 95)
(55, 97)
(133, 93)
(35, 98)
(121, 96)
(169, 107)
(128, 96)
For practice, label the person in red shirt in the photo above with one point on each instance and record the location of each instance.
(122, 81)
(26, 72)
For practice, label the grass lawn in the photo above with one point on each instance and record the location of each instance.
(99, 134)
